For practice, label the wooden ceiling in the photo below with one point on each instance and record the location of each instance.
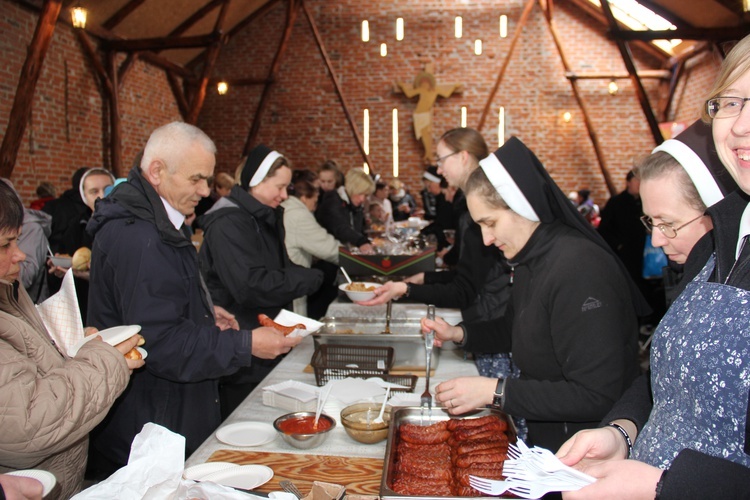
(195, 21)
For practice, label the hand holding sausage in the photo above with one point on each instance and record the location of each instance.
(269, 343)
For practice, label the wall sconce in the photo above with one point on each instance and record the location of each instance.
(612, 88)
(478, 47)
(746, 5)
(383, 50)
(395, 142)
(567, 117)
(222, 88)
(501, 127)
(463, 116)
(78, 16)
(459, 27)
(400, 29)
(365, 31)
(504, 26)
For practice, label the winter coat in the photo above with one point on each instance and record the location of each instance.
(305, 238)
(694, 474)
(244, 261)
(478, 286)
(145, 272)
(340, 218)
(621, 228)
(69, 218)
(572, 329)
(50, 402)
(36, 228)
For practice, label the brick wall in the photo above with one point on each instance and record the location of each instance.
(304, 118)
(64, 134)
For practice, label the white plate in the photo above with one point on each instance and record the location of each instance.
(144, 352)
(198, 472)
(244, 477)
(246, 434)
(288, 318)
(47, 479)
(111, 336)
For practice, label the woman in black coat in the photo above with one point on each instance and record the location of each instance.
(340, 211)
(243, 258)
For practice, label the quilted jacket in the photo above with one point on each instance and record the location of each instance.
(50, 402)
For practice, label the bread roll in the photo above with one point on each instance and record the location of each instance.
(134, 353)
(82, 259)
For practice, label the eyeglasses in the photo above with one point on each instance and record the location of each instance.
(725, 107)
(666, 229)
(440, 159)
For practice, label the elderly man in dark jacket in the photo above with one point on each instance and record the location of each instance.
(144, 271)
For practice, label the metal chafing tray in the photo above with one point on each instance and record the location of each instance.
(405, 338)
(413, 415)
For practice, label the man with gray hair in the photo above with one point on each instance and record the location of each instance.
(144, 271)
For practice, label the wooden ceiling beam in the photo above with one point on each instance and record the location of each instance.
(121, 14)
(126, 66)
(238, 82)
(596, 13)
(163, 43)
(252, 17)
(179, 94)
(519, 29)
(208, 66)
(584, 111)
(291, 16)
(24, 97)
(661, 74)
(705, 34)
(339, 91)
(627, 58)
(195, 17)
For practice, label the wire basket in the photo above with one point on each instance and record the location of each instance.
(333, 362)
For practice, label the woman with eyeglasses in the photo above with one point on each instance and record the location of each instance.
(689, 433)
(678, 181)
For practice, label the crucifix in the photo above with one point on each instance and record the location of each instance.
(428, 91)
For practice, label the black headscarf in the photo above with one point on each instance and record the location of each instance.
(695, 150)
(524, 184)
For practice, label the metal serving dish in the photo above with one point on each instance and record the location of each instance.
(405, 337)
(413, 415)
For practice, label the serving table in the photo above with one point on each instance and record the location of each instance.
(339, 459)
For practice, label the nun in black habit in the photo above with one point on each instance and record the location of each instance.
(571, 323)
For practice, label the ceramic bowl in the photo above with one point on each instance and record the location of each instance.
(356, 296)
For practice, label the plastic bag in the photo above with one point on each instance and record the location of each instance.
(654, 260)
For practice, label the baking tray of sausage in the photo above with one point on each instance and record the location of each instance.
(431, 454)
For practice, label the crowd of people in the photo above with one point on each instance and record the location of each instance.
(551, 298)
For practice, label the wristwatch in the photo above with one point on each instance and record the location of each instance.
(498, 399)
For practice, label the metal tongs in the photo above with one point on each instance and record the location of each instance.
(429, 342)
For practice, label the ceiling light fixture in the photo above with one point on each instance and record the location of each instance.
(478, 47)
(613, 88)
(459, 27)
(567, 116)
(400, 29)
(78, 16)
(222, 88)
(383, 50)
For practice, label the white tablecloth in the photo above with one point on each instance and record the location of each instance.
(452, 364)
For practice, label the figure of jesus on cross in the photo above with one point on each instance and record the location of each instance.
(428, 91)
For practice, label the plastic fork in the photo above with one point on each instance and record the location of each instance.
(489, 486)
(537, 490)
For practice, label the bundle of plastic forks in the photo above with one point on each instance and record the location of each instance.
(532, 473)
